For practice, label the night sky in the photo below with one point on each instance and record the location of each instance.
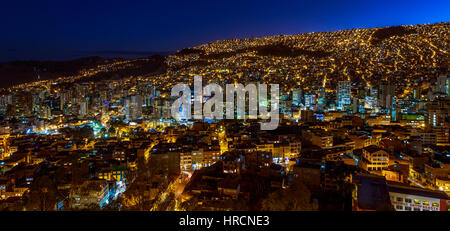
(66, 29)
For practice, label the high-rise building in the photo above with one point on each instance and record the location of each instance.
(443, 84)
(322, 100)
(355, 105)
(386, 94)
(438, 111)
(83, 110)
(297, 97)
(310, 101)
(133, 107)
(343, 94)
(437, 120)
(394, 110)
(3, 104)
(371, 101)
(64, 100)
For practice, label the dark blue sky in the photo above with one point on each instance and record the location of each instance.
(67, 29)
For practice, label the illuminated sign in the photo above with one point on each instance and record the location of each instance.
(413, 117)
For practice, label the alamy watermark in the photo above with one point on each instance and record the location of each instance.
(213, 108)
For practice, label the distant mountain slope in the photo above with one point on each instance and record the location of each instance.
(396, 53)
(18, 72)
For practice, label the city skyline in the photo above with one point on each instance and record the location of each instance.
(355, 118)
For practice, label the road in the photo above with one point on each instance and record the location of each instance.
(166, 202)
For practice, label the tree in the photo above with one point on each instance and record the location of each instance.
(344, 188)
(134, 197)
(139, 182)
(78, 132)
(42, 195)
(295, 198)
(191, 204)
(235, 204)
(115, 126)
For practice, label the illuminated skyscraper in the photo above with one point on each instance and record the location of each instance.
(371, 101)
(133, 107)
(437, 113)
(83, 109)
(343, 94)
(297, 98)
(394, 110)
(322, 97)
(443, 84)
(310, 101)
